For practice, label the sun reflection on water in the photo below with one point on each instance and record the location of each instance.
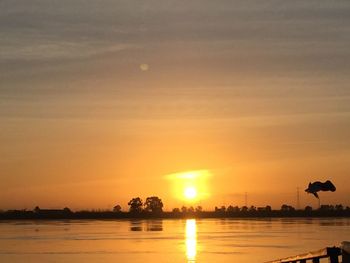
(191, 240)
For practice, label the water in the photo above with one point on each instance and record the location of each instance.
(203, 240)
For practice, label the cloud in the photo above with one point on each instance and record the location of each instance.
(58, 50)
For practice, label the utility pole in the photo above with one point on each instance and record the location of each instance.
(298, 199)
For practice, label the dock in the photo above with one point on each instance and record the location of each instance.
(332, 253)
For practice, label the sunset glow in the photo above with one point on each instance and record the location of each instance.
(190, 186)
(192, 102)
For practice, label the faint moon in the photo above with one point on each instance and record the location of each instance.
(144, 67)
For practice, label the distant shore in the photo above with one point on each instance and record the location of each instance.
(61, 214)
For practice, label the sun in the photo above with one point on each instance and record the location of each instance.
(190, 186)
(190, 192)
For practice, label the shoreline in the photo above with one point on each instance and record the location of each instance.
(30, 215)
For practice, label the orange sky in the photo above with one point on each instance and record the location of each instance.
(100, 102)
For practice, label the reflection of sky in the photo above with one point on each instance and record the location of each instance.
(191, 240)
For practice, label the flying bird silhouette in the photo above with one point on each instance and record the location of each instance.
(317, 186)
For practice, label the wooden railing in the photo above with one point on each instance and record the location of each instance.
(332, 253)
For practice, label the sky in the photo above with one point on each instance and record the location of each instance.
(102, 101)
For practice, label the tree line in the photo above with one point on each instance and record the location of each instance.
(153, 207)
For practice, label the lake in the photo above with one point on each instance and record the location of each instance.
(191, 240)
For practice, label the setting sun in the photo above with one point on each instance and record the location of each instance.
(190, 186)
(190, 192)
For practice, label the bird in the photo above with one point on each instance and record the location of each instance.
(317, 186)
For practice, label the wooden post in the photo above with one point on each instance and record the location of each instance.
(345, 251)
(333, 254)
(345, 257)
(316, 260)
(333, 259)
(303, 261)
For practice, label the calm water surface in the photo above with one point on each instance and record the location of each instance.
(203, 240)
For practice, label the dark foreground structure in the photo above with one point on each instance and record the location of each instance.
(331, 253)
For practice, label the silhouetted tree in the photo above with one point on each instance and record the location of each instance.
(308, 208)
(232, 209)
(135, 205)
(236, 209)
(244, 209)
(222, 209)
(154, 204)
(268, 208)
(184, 209)
(326, 208)
(176, 210)
(37, 209)
(117, 208)
(287, 208)
(190, 209)
(252, 209)
(66, 210)
(199, 209)
(339, 207)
